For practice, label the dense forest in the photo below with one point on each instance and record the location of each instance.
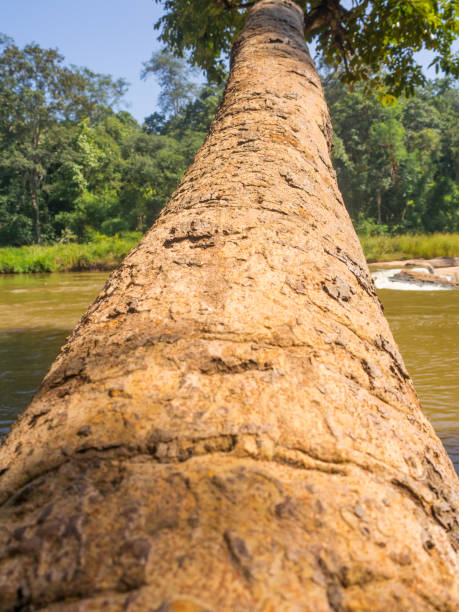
(72, 165)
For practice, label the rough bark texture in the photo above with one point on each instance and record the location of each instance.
(231, 426)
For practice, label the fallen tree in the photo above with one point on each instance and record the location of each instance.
(231, 425)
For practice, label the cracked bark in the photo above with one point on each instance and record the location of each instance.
(231, 425)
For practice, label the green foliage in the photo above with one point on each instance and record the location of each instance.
(38, 94)
(205, 29)
(375, 41)
(103, 173)
(367, 226)
(15, 229)
(91, 211)
(398, 165)
(114, 226)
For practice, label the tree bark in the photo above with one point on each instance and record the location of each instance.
(231, 425)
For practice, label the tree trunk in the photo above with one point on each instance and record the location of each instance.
(231, 426)
(36, 217)
(34, 182)
(379, 204)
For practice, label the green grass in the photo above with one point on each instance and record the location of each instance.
(103, 254)
(407, 246)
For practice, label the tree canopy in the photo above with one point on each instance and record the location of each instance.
(375, 41)
(38, 93)
(177, 88)
(398, 165)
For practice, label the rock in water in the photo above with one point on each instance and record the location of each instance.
(423, 278)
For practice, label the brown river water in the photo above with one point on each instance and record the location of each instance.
(37, 312)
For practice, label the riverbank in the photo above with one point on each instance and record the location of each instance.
(406, 246)
(106, 252)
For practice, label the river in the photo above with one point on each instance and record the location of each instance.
(37, 312)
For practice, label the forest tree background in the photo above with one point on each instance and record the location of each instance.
(73, 166)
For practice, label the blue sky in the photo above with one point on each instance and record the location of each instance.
(108, 36)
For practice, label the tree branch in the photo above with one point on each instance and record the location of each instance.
(231, 6)
(329, 12)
